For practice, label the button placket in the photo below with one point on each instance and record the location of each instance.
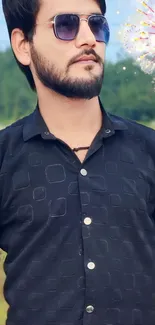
(86, 229)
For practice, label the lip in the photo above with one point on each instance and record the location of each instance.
(87, 59)
(85, 62)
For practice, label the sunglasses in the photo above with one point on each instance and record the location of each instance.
(66, 26)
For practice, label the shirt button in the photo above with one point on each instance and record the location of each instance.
(89, 309)
(47, 133)
(87, 221)
(107, 131)
(91, 266)
(83, 172)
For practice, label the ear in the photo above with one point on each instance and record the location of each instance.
(20, 47)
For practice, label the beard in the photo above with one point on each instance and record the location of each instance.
(77, 88)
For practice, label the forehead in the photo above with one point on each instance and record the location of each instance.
(50, 8)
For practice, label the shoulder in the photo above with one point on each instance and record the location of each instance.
(13, 129)
(11, 134)
(134, 128)
(136, 135)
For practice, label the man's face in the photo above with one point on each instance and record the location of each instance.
(54, 60)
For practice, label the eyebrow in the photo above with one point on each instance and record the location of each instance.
(96, 13)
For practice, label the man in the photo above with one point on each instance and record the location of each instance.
(77, 186)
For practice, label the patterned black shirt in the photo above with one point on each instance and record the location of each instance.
(79, 237)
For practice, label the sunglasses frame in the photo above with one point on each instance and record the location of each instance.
(53, 21)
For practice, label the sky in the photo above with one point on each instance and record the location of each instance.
(125, 8)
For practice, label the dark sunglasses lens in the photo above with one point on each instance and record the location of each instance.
(66, 26)
(100, 28)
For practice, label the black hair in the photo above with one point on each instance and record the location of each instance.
(22, 14)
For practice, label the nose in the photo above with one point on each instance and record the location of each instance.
(85, 35)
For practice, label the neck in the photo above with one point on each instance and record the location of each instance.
(74, 121)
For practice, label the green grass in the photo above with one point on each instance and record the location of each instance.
(149, 124)
(3, 311)
(3, 304)
(152, 125)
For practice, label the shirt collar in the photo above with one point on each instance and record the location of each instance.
(35, 125)
(111, 122)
